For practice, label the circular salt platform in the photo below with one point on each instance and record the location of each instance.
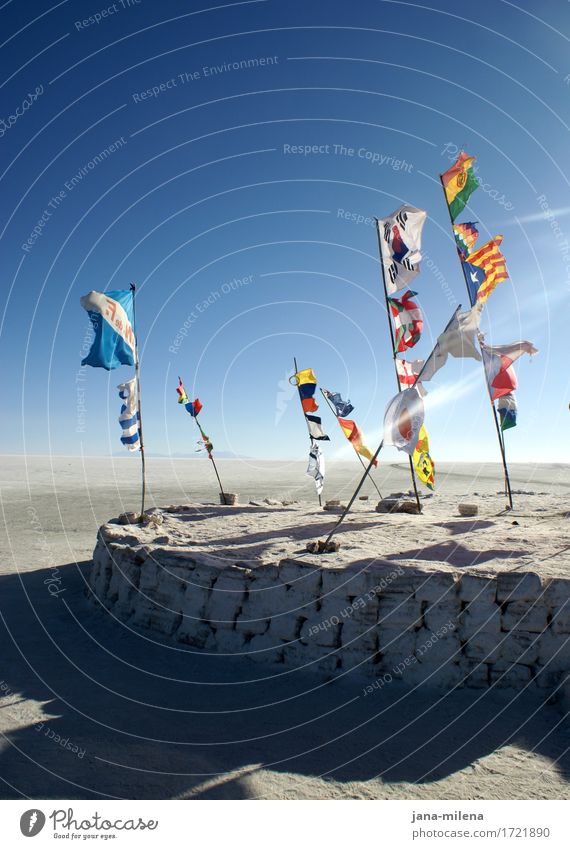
(434, 599)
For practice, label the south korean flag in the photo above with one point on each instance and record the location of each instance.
(400, 241)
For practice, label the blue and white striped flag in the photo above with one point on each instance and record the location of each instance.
(129, 417)
(111, 315)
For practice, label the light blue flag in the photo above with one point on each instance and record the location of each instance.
(112, 317)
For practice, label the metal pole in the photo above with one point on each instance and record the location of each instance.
(137, 375)
(372, 481)
(304, 416)
(501, 446)
(391, 329)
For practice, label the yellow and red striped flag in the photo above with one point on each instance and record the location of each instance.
(492, 262)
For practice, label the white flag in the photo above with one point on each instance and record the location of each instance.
(400, 242)
(316, 467)
(403, 420)
(458, 339)
(129, 417)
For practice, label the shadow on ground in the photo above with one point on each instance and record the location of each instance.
(158, 720)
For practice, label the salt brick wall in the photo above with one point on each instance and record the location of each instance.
(438, 628)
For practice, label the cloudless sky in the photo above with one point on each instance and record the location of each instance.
(244, 244)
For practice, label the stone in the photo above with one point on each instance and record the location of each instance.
(333, 502)
(475, 675)
(523, 616)
(561, 619)
(321, 546)
(556, 592)
(272, 502)
(229, 498)
(129, 518)
(264, 649)
(477, 588)
(193, 632)
(396, 644)
(399, 611)
(509, 675)
(519, 647)
(554, 652)
(395, 505)
(518, 586)
(225, 599)
(154, 519)
(359, 639)
(335, 508)
(484, 618)
(346, 582)
(320, 632)
(483, 646)
(436, 648)
(466, 509)
(439, 587)
(285, 628)
(445, 615)
(230, 642)
(301, 575)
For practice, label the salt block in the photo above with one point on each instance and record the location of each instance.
(397, 611)
(509, 675)
(439, 587)
(483, 646)
(481, 618)
(477, 588)
(557, 592)
(554, 652)
(519, 647)
(395, 505)
(518, 586)
(442, 616)
(333, 502)
(466, 509)
(561, 619)
(476, 674)
(523, 616)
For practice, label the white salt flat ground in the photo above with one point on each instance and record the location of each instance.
(156, 720)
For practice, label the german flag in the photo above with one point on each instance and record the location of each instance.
(493, 264)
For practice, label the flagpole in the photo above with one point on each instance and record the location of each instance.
(362, 463)
(210, 457)
(501, 446)
(391, 329)
(137, 375)
(304, 415)
(353, 499)
(367, 472)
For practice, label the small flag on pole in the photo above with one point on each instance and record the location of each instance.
(459, 183)
(342, 408)
(307, 384)
(423, 463)
(408, 370)
(111, 315)
(400, 243)
(408, 321)
(487, 268)
(465, 237)
(507, 407)
(316, 467)
(356, 438)
(403, 420)
(458, 339)
(498, 360)
(129, 415)
(315, 429)
(194, 406)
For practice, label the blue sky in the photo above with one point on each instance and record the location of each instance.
(248, 252)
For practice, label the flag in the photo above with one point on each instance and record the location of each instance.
(355, 437)
(498, 361)
(458, 339)
(111, 315)
(315, 429)
(342, 408)
(403, 420)
(459, 183)
(465, 238)
(400, 243)
(408, 321)
(129, 415)
(316, 467)
(194, 406)
(423, 463)
(507, 407)
(474, 278)
(307, 384)
(408, 371)
(489, 260)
